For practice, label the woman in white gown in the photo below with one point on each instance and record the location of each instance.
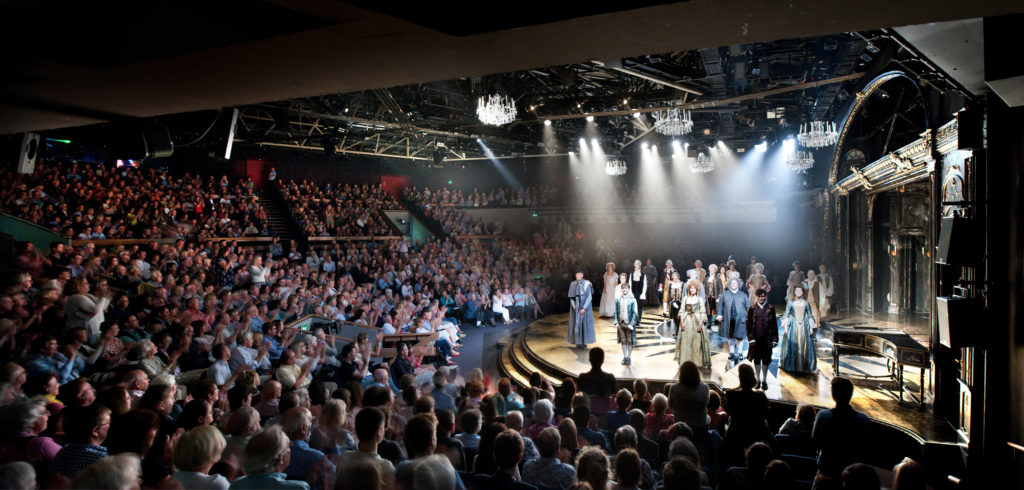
(611, 280)
(497, 306)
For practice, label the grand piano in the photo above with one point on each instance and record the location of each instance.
(896, 346)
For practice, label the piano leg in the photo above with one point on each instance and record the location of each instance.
(899, 369)
(835, 360)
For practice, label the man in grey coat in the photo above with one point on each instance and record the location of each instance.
(581, 314)
(732, 316)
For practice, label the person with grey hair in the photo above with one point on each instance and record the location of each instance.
(306, 463)
(543, 413)
(118, 472)
(547, 470)
(427, 473)
(245, 355)
(23, 421)
(266, 456)
(18, 475)
(627, 438)
(514, 421)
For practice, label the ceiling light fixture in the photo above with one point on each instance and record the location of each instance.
(702, 164)
(800, 161)
(817, 134)
(496, 110)
(547, 122)
(673, 122)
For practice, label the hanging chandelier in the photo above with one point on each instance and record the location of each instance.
(702, 164)
(801, 160)
(817, 134)
(615, 167)
(496, 110)
(673, 122)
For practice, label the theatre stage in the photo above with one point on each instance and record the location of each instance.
(541, 347)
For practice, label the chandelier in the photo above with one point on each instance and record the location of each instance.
(615, 167)
(702, 164)
(817, 134)
(801, 160)
(496, 110)
(673, 122)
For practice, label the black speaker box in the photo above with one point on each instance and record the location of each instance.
(158, 141)
(960, 321)
(138, 142)
(960, 242)
(970, 131)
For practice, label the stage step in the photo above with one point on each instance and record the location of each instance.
(508, 368)
(523, 363)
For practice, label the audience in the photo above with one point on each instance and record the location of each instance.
(841, 434)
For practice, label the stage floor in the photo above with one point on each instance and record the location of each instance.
(653, 361)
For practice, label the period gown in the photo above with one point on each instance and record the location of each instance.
(798, 340)
(692, 345)
(611, 282)
(754, 282)
(825, 298)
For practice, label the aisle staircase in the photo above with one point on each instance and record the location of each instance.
(279, 217)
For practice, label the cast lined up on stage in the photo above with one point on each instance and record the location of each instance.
(798, 338)
(692, 342)
(581, 314)
(627, 320)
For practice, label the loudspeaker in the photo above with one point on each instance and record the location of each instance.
(959, 319)
(29, 152)
(960, 242)
(158, 141)
(970, 132)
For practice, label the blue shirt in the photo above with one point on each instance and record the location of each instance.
(39, 364)
(304, 459)
(268, 481)
(73, 458)
(549, 472)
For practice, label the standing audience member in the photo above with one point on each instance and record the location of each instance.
(840, 434)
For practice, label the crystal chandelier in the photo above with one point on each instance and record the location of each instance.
(673, 122)
(801, 160)
(615, 167)
(496, 110)
(817, 134)
(702, 164)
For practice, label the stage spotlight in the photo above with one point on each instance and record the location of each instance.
(547, 122)
(636, 114)
(571, 153)
(721, 144)
(478, 140)
(643, 146)
(593, 141)
(675, 144)
(625, 101)
(654, 147)
(761, 147)
(583, 143)
(686, 146)
(789, 145)
(590, 118)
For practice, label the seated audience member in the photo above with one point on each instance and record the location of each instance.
(626, 439)
(328, 434)
(597, 383)
(266, 456)
(647, 447)
(717, 417)
(471, 423)
(909, 475)
(543, 414)
(120, 471)
(627, 470)
(24, 420)
(442, 400)
(680, 473)
(641, 396)
(620, 416)
(306, 464)
(778, 476)
(241, 426)
(547, 470)
(799, 428)
(750, 476)
(271, 396)
(593, 467)
(660, 418)
(18, 474)
(508, 452)
(570, 441)
(514, 421)
(581, 416)
(428, 472)
(195, 413)
(85, 430)
(446, 444)
(370, 426)
(859, 476)
(840, 434)
(194, 454)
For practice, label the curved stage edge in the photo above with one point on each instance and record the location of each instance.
(541, 347)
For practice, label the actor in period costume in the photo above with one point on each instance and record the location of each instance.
(796, 278)
(798, 340)
(713, 287)
(699, 269)
(675, 298)
(693, 275)
(627, 320)
(756, 281)
(752, 266)
(581, 318)
(666, 277)
(827, 288)
(638, 284)
(731, 270)
(732, 314)
(762, 335)
(813, 292)
(611, 282)
(651, 276)
(692, 340)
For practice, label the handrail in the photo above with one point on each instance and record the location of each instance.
(143, 241)
(333, 239)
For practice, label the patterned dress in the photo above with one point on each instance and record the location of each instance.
(692, 345)
(798, 342)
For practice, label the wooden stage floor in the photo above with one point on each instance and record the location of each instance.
(653, 361)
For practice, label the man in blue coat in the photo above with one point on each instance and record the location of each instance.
(581, 314)
(732, 316)
(627, 320)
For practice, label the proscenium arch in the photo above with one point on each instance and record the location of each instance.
(854, 109)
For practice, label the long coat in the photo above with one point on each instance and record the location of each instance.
(627, 313)
(581, 327)
(729, 303)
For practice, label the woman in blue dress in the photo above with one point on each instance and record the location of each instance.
(798, 338)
